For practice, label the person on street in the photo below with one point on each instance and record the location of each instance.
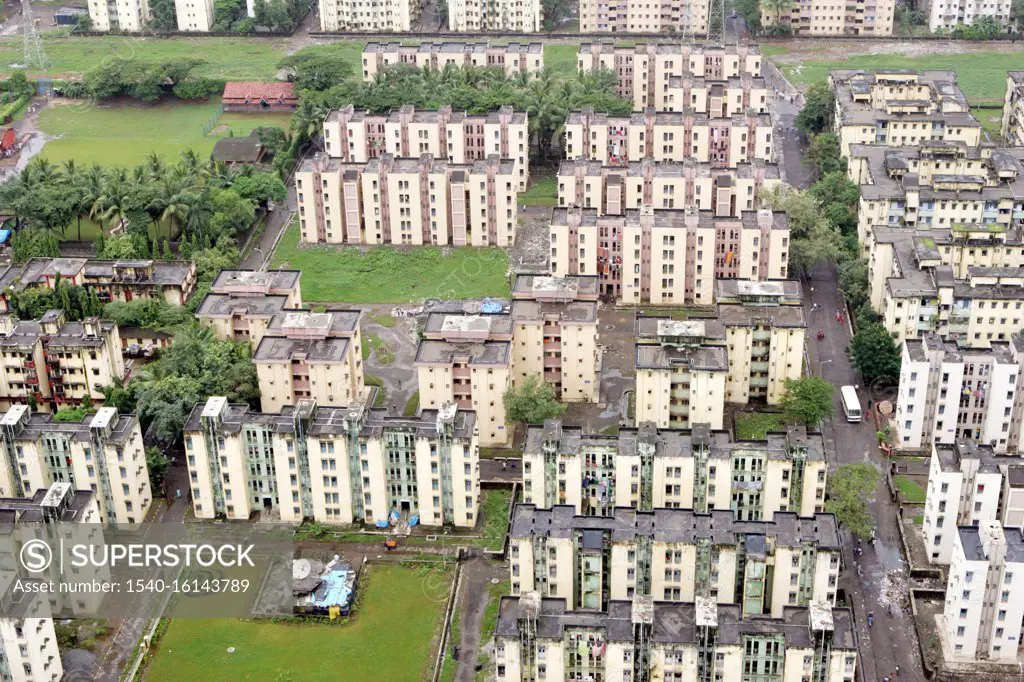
(871, 618)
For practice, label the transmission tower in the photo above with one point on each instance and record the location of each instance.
(35, 56)
(686, 23)
(716, 22)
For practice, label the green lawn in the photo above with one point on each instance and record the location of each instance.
(754, 425)
(991, 120)
(561, 58)
(124, 135)
(392, 636)
(91, 230)
(910, 490)
(494, 506)
(387, 275)
(543, 191)
(412, 406)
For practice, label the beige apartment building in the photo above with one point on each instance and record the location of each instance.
(618, 189)
(644, 70)
(335, 465)
(111, 280)
(635, 16)
(126, 16)
(410, 202)
(504, 16)
(514, 59)
(304, 355)
(539, 638)
(358, 136)
(195, 15)
(836, 18)
(900, 108)
(699, 468)
(103, 453)
(53, 362)
(467, 360)
(1012, 128)
(241, 303)
(667, 256)
(673, 137)
(368, 15)
(555, 334)
(675, 555)
(963, 283)
(938, 183)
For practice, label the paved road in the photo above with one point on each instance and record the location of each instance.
(505, 470)
(891, 641)
(790, 144)
(477, 573)
(280, 217)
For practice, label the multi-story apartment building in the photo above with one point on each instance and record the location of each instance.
(634, 639)
(949, 391)
(645, 69)
(650, 468)
(335, 465)
(412, 202)
(357, 136)
(468, 360)
(969, 483)
(901, 107)
(984, 609)
(51, 361)
(195, 15)
(835, 18)
(305, 355)
(675, 555)
(616, 190)
(963, 283)
(126, 16)
(504, 16)
(555, 334)
(514, 59)
(938, 183)
(624, 16)
(111, 280)
(635, 255)
(723, 142)
(370, 15)
(1012, 128)
(241, 303)
(946, 15)
(103, 453)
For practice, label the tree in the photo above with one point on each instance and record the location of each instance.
(316, 70)
(231, 214)
(853, 281)
(819, 104)
(120, 246)
(260, 188)
(839, 196)
(157, 462)
(164, 16)
(34, 244)
(849, 489)
(808, 400)
(820, 245)
(824, 154)
(777, 10)
(532, 402)
(874, 353)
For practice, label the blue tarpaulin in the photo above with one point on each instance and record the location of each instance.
(382, 523)
(334, 590)
(491, 307)
(414, 520)
(4, 236)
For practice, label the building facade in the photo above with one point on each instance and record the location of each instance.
(369, 15)
(653, 468)
(335, 465)
(126, 16)
(1012, 127)
(241, 303)
(195, 15)
(514, 59)
(411, 202)
(835, 18)
(946, 15)
(625, 16)
(504, 16)
(103, 453)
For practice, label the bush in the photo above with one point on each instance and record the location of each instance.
(9, 111)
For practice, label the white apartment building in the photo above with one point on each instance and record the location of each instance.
(644, 70)
(504, 16)
(410, 202)
(945, 15)
(103, 453)
(969, 483)
(699, 468)
(667, 256)
(368, 15)
(675, 555)
(514, 59)
(540, 637)
(241, 303)
(836, 18)
(357, 136)
(723, 142)
(335, 465)
(631, 16)
(54, 362)
(195, 15)
(126, 16)
(1012, 127)
(901, 107)
(984, 609)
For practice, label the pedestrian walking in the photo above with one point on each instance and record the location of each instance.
(885, 679)
(895, 674)
(871, 618)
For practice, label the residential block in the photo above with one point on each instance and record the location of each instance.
(622, 16)
(505, 16)
(946, 15)
(126, 16)
(1012, 127)
(195, 15)
(335, 465)
(241, 303)
(514, 59)
(835, 18)
(372, 15)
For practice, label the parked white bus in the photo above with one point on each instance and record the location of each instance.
(851, 405)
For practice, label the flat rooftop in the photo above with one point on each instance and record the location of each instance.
(285, 349)
(226, 305)
(445, 352)
(549, 288)
(255, 281)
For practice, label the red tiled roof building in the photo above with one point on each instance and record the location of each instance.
(249, 96)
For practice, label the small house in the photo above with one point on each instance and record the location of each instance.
(258, 96)
(239, 150)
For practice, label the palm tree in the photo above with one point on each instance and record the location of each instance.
(156, 166)
(116, 199)
(190, 162)
(169, 200)
(197, 217)
(73, 180)
(776, 9)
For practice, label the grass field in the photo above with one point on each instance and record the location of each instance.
(910, 490)
(561, 58)
(392, 636)
(543, 191)
(124, 135)
(754, 425)
(494, 506)
(387, 275)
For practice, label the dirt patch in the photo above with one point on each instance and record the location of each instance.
(798, 51)
(221, 129)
